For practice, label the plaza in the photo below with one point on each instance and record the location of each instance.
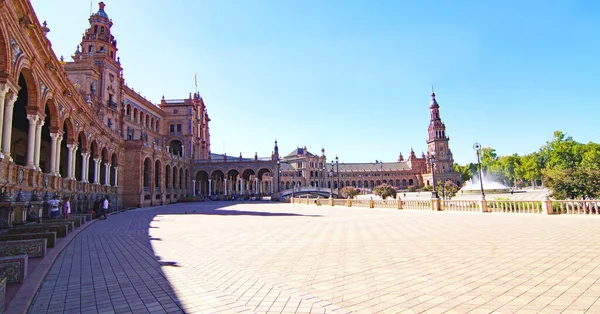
(260, 257)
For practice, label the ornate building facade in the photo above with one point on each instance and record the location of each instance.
(302, 168)
(76, 129)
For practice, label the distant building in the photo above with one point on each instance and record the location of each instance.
(302, 168)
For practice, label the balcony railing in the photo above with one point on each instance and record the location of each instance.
(111, 104)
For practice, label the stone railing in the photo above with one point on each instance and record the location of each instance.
(576, 207)
(546, 206)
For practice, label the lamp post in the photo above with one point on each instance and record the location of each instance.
(477, 148)
(293, 185)
(337, 169)
(323, 173)
(278, 176)
(432, 162)
(331, 176)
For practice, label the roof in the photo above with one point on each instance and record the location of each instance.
(371, 167)
(101, 12)
(299, 151)
(221, 157)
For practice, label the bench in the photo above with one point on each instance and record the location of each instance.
(61, 230)
(77, 221)
(88, 217)
(57, 222)
(2, 291)
(32, 248)
(14, 267)
(49, 236)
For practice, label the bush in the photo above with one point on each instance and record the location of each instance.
(412, 188)
(349, 191)
(385, 190)
(426, 188)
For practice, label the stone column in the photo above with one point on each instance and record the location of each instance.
(97, 162)
(53, 141)
(193, 187)
(225, 191)
(57, 154)
(85, 166)
(107, 174)
(7, 127)
(256, 187)
(3, 92)
(241, 186)
(71, 160)
(116, 176)
(209, 186)
(30, 163)
(38, 143)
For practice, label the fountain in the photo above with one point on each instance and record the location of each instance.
(489, 186)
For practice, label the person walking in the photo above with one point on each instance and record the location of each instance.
(67, 207)
(105, 207)
(54, 203)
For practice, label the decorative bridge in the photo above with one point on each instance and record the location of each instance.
(309, 190)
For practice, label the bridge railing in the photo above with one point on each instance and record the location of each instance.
(545, 206)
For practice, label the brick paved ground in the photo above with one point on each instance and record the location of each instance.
(281, 258)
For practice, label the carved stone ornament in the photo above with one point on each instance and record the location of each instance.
(20, 176)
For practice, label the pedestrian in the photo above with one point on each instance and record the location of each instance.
(54, 203)
(105, 207)
(67, 207)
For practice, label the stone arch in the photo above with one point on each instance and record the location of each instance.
(157, 175)
(201, 177)
(262, 172)
(128, 111)
(33, 90)
(113, 169)
(167, 176)
(233, 180)
(68, 128)
(4, 51)
(176, 147)
(81, 148)
(105, 160)
(68, 138)
(94, 153)
(45, 156)
(175, 179)
(147, 173)
(21, 127)
(135, 115)
(147, 124)
(141, 118)
(216, 178)
(152, 123)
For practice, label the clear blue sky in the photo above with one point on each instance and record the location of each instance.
(355, 77)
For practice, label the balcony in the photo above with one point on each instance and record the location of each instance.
(111, 104)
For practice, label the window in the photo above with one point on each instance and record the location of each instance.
(179, 128)
(102, 30)
(175, 111)
(95, 29)
(172, 128)
(91, 48)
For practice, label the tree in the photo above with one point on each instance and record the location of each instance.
(384, 190)
(350, 191)
(447, 189)
(466, 171)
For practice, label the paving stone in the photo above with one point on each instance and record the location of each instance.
(265, 257)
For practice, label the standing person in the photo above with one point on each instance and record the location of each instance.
(67, 207)
(54, 203)
(105, 207)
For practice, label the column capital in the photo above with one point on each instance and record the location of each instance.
(11, 99)
(85, 154)
(71, 146)
(4, 88)
(97, 159)
(33, 117)
(55, 136)
(107, 164)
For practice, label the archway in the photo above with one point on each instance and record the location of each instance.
(174, 176)
(103, 169)
(46, 141)
(232, 182)
(94, 153)
(81, 148)
(201, 182)
(113, 169)
(157, 175)
(249, 184)
(176, 147)
(181, 179)
(147, 174)
(20, 124)
(167, 178)
(216, 182)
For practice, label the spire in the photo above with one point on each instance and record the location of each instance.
(434, 103)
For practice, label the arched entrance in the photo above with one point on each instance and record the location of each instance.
(19, 141)
(113, 169)
(249, 182)
(201, 183)
(216, 182)
(265, 181)
(176, 148)
(157, 176)
(232, 182)
(147, 174)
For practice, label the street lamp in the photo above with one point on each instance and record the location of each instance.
(337, 169)
(278, 176)
(323, 174)
(432, 162)
(293, 185)
(331, 176)
(477, 148)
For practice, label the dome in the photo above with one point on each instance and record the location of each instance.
(101, 12)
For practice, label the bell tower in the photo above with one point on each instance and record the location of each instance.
(437, 141)
(97, 40)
